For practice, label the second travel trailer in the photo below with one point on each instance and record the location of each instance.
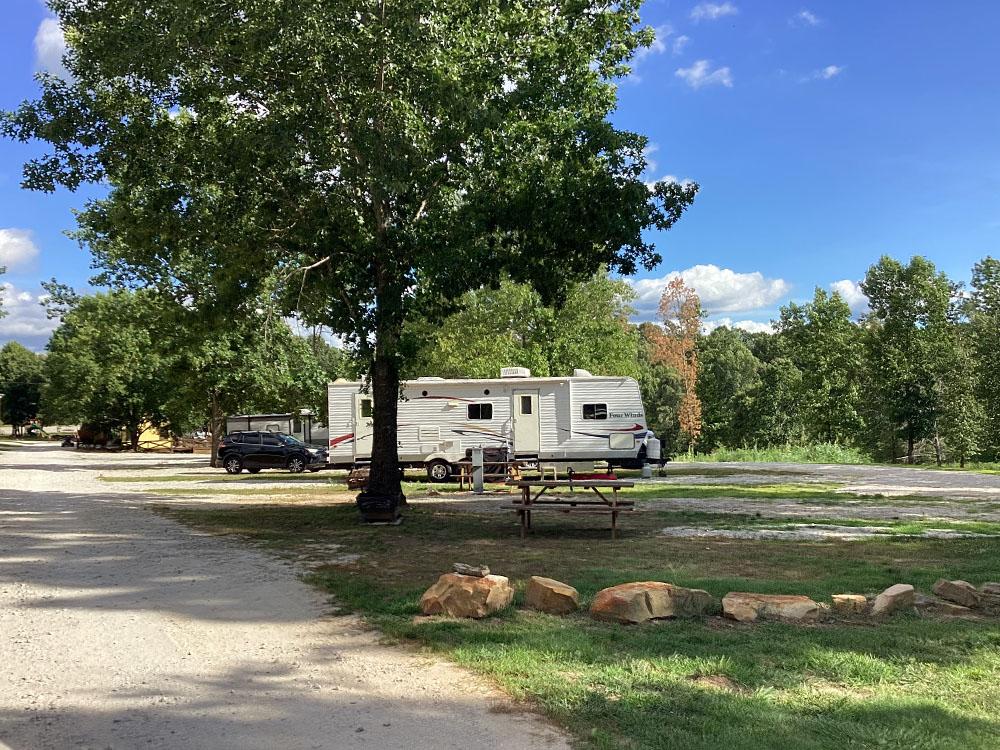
(565, 422)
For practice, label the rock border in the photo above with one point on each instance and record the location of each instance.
(480, 594)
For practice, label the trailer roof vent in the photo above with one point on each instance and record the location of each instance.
(515, 372)
(582, 373)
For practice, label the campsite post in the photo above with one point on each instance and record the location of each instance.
(477, 470)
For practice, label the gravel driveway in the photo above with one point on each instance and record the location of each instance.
(122, 629)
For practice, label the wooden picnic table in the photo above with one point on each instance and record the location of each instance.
(605, 490)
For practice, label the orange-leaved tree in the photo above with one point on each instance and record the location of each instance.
(680, 313)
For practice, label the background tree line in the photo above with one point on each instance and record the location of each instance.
(917, 374)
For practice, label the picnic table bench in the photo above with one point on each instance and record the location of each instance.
(605, 501)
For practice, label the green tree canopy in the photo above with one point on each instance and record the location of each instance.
(984, 317)
(510, 325)
(104, 365)
(21, 381)
(377, 157)
(909, 346)
(824, 344)
(729, 375)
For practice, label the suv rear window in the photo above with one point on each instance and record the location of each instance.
(251, 438)
(271, 440)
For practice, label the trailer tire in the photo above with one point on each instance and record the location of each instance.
(438, 470)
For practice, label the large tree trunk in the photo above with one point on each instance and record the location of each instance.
(384, 491)
(215, 428)
(384, 478)
(133, 436)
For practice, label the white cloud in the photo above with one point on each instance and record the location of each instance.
(750, 326)
(721, 290)
(700, 74)
(679, 43)
(850, 292)
(650, 184)
(651, 163)
(17, 248)
(50, 46)
(25, 320)
(805, 18)
(659, 45)
(824, 74)
(713, 11)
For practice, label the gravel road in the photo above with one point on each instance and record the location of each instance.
(122, 629)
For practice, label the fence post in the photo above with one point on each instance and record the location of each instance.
(477, 470)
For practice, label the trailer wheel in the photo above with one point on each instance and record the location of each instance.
(438, 470)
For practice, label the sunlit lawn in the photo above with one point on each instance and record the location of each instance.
(908, 683)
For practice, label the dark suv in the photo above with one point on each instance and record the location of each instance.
(254, 451)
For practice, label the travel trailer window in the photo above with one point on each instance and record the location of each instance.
(366, 408)
(595, 411)
(525, 404)
(480, 411)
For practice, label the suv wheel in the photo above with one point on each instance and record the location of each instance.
(233, 465)
(438, 470)
(296, 464)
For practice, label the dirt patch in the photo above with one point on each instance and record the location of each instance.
(808, 532)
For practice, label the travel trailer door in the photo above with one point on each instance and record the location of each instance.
(526, 422)
(362, 425)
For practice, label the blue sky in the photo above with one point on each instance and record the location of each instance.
(823, 134)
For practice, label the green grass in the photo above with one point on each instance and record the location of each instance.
(694, 469)
(820, 453)
(908, 683)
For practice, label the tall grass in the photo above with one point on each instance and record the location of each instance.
(819, 453)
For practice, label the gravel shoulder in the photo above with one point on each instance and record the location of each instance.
(122, 629)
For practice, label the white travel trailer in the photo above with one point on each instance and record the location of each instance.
(566, 422)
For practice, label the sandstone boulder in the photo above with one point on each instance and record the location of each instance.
(549, 595)
(989, 597)
(479, 571)
(849, 604)
(929, 606)
(746, 607)
(467, 596)
(648, 600)
(958, 592)
(897, 597)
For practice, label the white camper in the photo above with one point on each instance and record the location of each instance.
(566, 422)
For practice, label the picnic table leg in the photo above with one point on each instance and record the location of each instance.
(524, 516)
(614, 525)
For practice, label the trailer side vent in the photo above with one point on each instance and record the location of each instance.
(578, 373)
(515, 372)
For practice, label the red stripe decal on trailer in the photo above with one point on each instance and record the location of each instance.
(338, 440)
